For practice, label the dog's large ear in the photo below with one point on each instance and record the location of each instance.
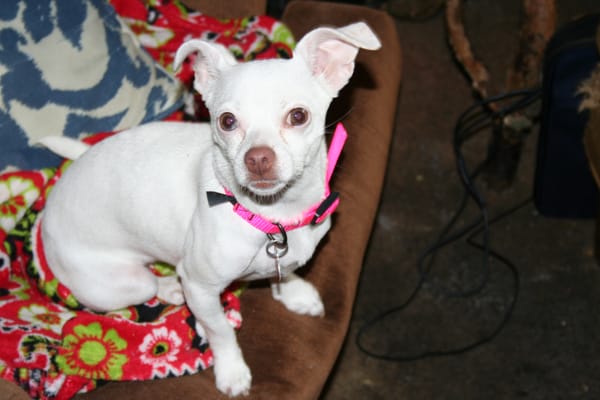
(210, 59)
(330, 52)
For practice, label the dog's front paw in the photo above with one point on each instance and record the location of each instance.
(298, 296)
(233, 377)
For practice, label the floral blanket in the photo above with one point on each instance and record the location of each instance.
(50, 345)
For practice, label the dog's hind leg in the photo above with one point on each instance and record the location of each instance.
(170, 290)
(108, 287)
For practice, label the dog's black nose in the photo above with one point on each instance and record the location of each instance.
(260, 161)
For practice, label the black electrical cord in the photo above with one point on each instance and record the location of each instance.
(476, 118)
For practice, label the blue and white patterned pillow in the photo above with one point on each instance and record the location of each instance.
(70, 67)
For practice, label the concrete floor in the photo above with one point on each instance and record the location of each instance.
(550, 348)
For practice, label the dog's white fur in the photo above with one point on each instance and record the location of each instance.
(140, 196)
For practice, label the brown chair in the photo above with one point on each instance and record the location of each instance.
(292, 356)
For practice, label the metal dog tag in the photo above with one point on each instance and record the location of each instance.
(276, 248)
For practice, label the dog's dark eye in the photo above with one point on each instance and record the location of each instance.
(298, 116)
(227, 121)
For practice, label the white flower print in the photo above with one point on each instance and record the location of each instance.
(16, 195)
(160, 349)
(40, 316)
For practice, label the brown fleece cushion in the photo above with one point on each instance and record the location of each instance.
(291, 356)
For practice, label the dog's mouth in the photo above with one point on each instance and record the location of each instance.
(264, 185)
(265, 191)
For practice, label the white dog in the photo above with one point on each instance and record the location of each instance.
(141, 195)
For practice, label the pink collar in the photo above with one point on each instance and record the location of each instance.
(314, 215)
